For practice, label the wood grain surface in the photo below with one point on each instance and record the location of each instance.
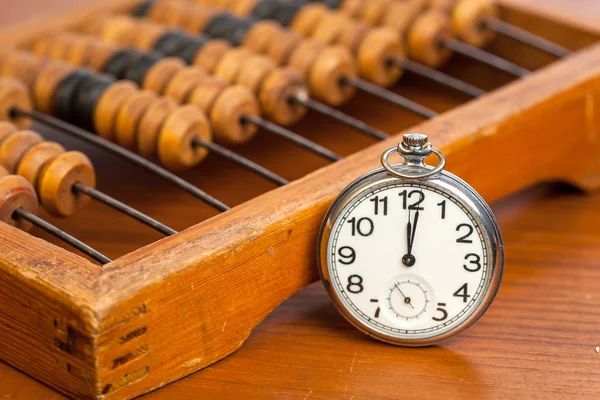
(538, 340)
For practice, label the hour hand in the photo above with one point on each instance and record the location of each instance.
(408, 259)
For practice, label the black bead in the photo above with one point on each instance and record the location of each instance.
(63, 99)
(238, 34)
(142, 9)
(138, 68)
(221, 26)
(119, 62)
(188, 53)
(266, 9)
(333, 4)
(172, 42)
(88, 93)
(287, 11)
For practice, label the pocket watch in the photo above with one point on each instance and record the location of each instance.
(409, 253)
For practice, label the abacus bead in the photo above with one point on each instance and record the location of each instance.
(261, 34)
(228, 111)
(305, 55)
(33, 162)
(3, 172)
(334, 64)
(184, 82)
(282, 46)
(151, 123)
(255, 71)
(147, 35)
(59, 47)
(380, 46)
(210, 54)
(13, 93)
(425, 36)
(353, 35)
(16, 192)
(468, 21)
(275, 93)
(206, 93)
(374, 11)
(81, 50)
(401, 14)
(56, 183)
(46, 83)
(158, 77)
(101, 53)
(231, 64)
(22, 66)
(42, 45)
(442, 5)
(120, 29)
(243, 8)
(330, 28)
(6, 129)
(175, 142)
(308, 18)
(129, 117)
(107, 107)
(198, 19)
(15, 147)
(352, 8)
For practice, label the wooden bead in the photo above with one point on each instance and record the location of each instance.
(380, 46)
(305, 56)
(243, 8)
(59, 47)
(401, 14)
(175, 142)
(108, 106)
(56, 183)
(3, 172)
(260, 35)
(207, 92)
(13, 94)
(120, 29)
(147, 35)
(42, 45)
(184, 82)
(232, 63)
(255, 70)
(129, 116)
(308, 18)
(174, 14)
(151, 123)
(6, 129)
(330, 27)
(425, 36)
(468, 20)
(198, 18)
(442, 5)
(163, 12)
(334, 64)
(282, 46)
(16, 192)
(374, 11)
(352, 8)
(353, 35)
(102, 51)
(228, 111)
(211, 54)
(158, 77)
(275, 93)
(32, 164)
(22, 66)
(15, 147)
(46, 83)
(81, 51)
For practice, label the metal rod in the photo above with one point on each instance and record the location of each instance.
(387, 95)
(339, 116)
(485, 57)
(62, 235)
(292, 137)
(122, 207)
(140, 161)
(242, 161)
(438, 76)
(523, 36)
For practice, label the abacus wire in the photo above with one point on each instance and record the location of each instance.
(124, 208)
(438, 76)
(240, 160)
(387, 95)
(485, 57)
(121, 152)
(62, 235)
(291, 137)
(523, 36)
(339, 116)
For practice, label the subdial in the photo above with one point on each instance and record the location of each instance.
(408, 299)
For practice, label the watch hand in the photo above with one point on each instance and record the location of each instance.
(406, 299)
(408, 259)
(412, 235)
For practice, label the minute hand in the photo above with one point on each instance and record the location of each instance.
(411, 239)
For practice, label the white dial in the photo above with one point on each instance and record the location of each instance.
(408, 260)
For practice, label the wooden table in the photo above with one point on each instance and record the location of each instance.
(539, 340)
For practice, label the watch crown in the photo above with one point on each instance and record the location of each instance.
(414, 139)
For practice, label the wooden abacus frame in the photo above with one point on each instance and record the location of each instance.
(157, 314)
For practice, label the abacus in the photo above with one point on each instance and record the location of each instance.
(220, 132)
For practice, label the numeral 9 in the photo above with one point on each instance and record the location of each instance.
(347, 254)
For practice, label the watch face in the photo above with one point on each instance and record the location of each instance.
(409, 261)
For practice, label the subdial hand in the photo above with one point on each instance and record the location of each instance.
(407, 300)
